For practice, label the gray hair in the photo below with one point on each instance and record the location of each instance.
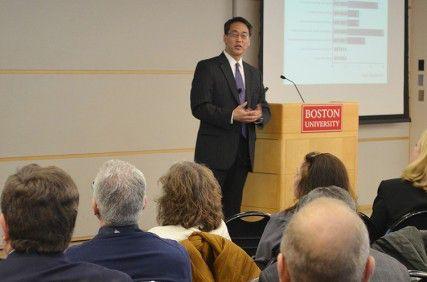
(332, 191)
(325, 241)
(119, 191)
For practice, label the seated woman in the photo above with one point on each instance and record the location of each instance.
(317, 170)
(191, 202)
(398, 196)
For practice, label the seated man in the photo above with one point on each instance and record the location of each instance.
(39, 209)
(118, 199)
(386, 267)
(325, 241)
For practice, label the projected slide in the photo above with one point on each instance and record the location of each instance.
(336, 41)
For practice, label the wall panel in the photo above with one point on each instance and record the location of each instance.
(82, 82)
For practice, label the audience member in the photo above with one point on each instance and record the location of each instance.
(39, 209)
(317, 170)
(325, 241)
(386, 267)
(118, 198)
(398, 196)
(191, 202)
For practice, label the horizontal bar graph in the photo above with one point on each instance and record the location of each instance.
(334, 34)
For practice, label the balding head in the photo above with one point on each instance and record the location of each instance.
(325, 241)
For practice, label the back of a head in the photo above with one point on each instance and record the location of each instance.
(325, 241)
(40, 205)
(119, 191)
(321, 170)
(416, 171)
(191, 197)
(334, 192)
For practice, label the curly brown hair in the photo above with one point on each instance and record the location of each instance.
(191, 197)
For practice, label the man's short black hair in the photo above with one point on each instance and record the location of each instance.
(242, 20)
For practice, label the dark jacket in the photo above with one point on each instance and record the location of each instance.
(54, 267)
(395, 198)
(142, 255)
(269, 244)
(406, 245)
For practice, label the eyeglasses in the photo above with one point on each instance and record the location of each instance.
(236, 35)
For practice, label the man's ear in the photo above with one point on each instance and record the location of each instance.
(95, 208)
(4, 227)
(282, 269)
(369, 269)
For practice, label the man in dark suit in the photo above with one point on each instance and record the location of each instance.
(118, 199)
(228, 98)
(39, 209)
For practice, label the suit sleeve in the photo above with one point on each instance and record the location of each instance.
(380, 217)
(202, 100)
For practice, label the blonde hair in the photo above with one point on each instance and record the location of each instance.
(416, 171)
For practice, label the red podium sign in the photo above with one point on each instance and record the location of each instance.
(321, 118)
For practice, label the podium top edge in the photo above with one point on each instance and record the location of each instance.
(326, 103)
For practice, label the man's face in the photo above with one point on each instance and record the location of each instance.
(237, 40)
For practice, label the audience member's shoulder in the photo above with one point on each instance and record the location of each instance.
(269, 273)
(209, 60)
(94, 272)
(393, 185)
(280, 218)
(393, 182)
(76, 249)
(167, 243)
(388, 268)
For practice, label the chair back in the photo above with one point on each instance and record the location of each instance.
(417, 219)
(372, 230)
(417, 275)
(246, 229)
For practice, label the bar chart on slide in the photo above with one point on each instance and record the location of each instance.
(336, 41)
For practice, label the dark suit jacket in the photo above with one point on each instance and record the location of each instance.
(142, 255)
(214, 96)
(269, 244)
(395, 198)
(54, 267)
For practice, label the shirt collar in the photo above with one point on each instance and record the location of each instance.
(116, 230)
(232, 61)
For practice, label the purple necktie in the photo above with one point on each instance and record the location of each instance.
(241, 89)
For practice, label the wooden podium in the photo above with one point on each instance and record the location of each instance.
(281, 147)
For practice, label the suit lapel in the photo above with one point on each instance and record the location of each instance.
(248, 84)
(226, 69)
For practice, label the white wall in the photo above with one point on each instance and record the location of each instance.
(82, 82)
